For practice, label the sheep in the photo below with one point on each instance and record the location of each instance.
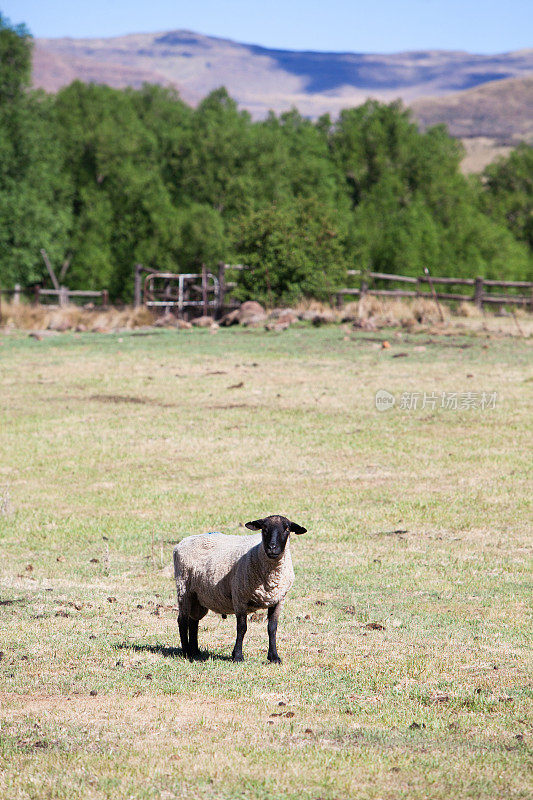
(234, 575)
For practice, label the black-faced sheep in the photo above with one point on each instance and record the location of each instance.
(234, 575)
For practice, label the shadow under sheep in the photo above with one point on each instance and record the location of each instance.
(169, 652)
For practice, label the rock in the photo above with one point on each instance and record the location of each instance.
(319, 317)
(365, 325)
(287, 316)
(277, 326)
(166, 321)
(249, 313)
(231, 318)
(254, 321)
(203, 322)
(250, 308)
(276, 313)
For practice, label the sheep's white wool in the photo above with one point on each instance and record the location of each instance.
(229, 574)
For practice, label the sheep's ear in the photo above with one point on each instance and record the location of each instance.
(256, 525)
(297, 528)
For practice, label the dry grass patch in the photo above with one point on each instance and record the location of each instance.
(30, 317)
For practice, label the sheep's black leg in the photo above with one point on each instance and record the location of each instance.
(183, 625)
(272, 627)
(193, 638)
(241, 630)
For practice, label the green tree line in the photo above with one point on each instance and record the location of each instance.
(113, 177)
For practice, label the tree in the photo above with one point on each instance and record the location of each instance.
(293, 251)
(203, 238)
(123, 212)
(15, 60)
(508, 192)
(34, 195)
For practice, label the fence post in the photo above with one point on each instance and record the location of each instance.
(364, 289)
(105, 298)
(221, 285)
(36, 294)
(16, 295)
(204, 290)
(137, 286)
(478, 292)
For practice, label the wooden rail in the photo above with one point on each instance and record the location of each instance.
(479, 284)
(63, 294)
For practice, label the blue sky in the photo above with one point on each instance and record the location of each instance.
(481, 26)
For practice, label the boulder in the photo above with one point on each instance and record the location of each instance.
(231, 318)
(249, 313)
(166, 321)
(276, 313)
(250, 308)
(203, 322)
(287, 317)
(277, 326)
(317, 317)
(365, 324)
(254, 321)
(324, 318)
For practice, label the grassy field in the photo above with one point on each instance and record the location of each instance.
(406, 636)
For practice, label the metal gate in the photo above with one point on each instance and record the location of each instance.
(182, 291)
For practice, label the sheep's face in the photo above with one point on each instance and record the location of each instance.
(275, 531)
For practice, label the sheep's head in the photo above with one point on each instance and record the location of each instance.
(275, 531)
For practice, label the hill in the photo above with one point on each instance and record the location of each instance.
(500, 110)
(261, 79)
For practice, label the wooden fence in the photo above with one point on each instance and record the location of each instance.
(63, 295)
(482, 289)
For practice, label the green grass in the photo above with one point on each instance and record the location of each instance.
(115, 446)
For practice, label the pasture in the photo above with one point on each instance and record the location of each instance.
(406, 639)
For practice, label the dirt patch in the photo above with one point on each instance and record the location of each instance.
(129, 399)
(230, 405)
